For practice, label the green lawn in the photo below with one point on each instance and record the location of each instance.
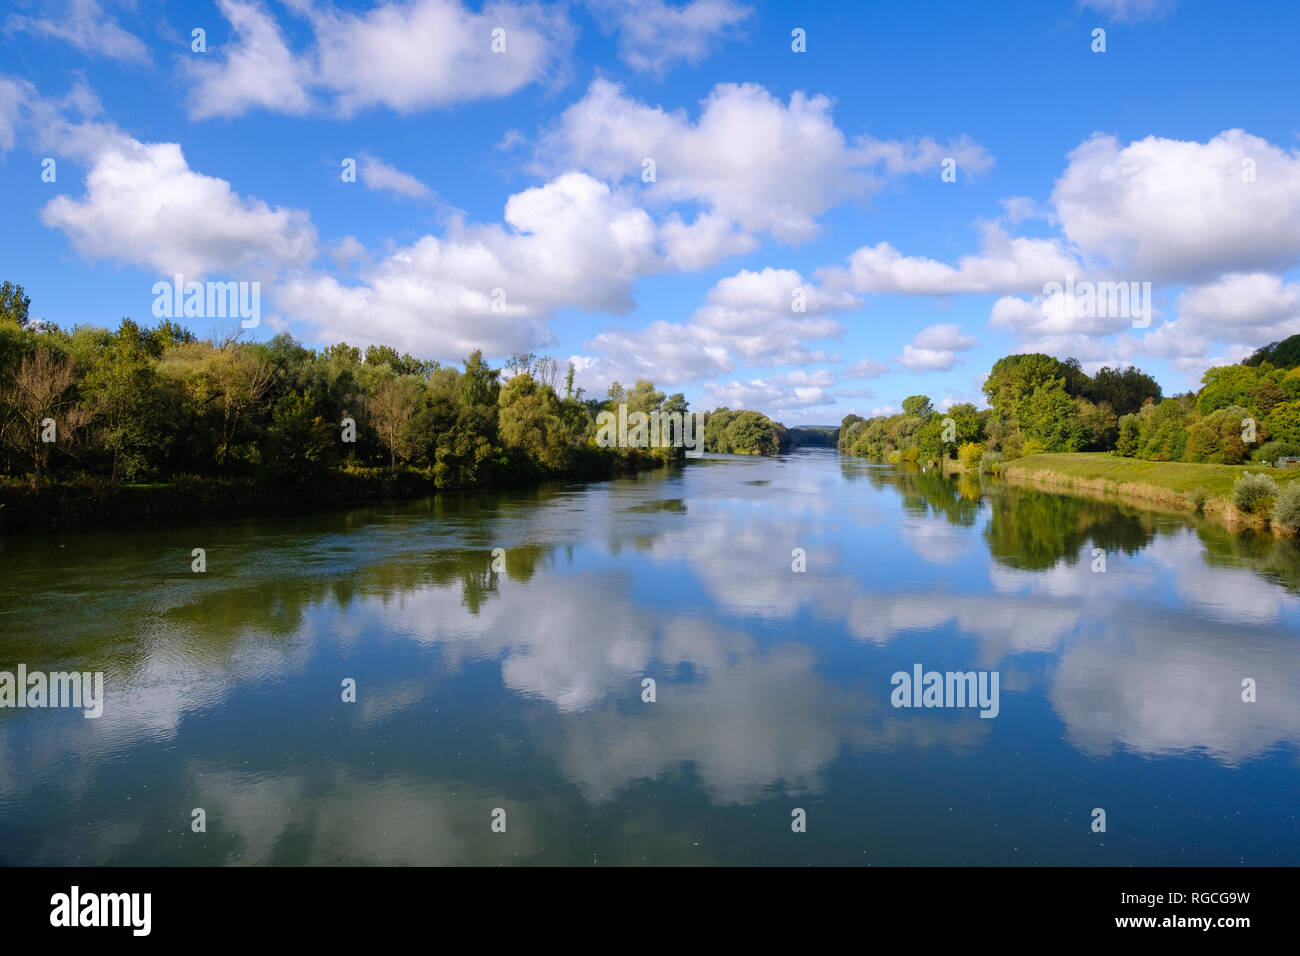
(1174, 475)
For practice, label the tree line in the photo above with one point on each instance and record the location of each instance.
(145, 405)
(1037, 403)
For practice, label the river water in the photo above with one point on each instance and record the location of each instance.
(501, 716)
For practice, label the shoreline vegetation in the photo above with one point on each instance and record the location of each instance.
(1049, 423)
(1163, 486)
(142, 423)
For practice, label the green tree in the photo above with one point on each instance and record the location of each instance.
(918, 405)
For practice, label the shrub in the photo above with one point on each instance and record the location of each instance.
(1032, 446)
(1199, 497)
(969, 455)
(912, 454)
(1254, 493)
(1129, 442)
(991, 463)
(1286, 509)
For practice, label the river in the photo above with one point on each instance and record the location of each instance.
(503, 716)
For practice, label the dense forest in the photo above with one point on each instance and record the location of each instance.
(1246, 412)
(103, 410)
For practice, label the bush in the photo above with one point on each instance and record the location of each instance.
(1271, 451)
(991, 463)
(1286, 509)
(1199, 497)
(1032, 446)
(969, 455)
(1253, 494)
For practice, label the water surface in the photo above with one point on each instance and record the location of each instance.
(522, 689)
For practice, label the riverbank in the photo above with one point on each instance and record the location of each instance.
(78, 501)
(1164, 485)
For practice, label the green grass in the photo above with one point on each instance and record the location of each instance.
(1176, 476)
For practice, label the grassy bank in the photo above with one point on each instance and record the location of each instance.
(1171, 485)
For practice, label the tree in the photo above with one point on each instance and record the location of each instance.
(1050, 417)
(752, 433)
(119, 389)
(391, 407)
(479, 384)
(1284, 421)
(1228, 385)
(237, 380)
(13, 304)
(1283, 354)
(918, 405)
(1129, 441)
(42, 398)
(1124, 390)
(644, 397)
(1015, 377)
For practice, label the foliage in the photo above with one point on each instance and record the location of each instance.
(970, 454)
(1254, 494)
(158, 405)
(1286, 509)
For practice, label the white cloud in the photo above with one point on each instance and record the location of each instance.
(765, 394)
(652, 34)
(935, 348)
(703, 243)
(257, 69)
(144, 205)
(747, 317)
(1256, 305)
(85, 25)
(379, 175)
(1173, 210)
(1005, 265)
(404, 56)
(865, 368)
(570, 242)
(14, 96)
(765, 165)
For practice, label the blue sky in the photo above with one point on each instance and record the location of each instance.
(775, 171)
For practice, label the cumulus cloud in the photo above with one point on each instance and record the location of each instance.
(1257, 304)
(749, 316)
(935, 348)
(768, 166)
(704, 242)
(257, 69)
(1006, 264)
(570, 242)
(404, 56)
(653, 35)
(144, 205)
(1175, 210)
